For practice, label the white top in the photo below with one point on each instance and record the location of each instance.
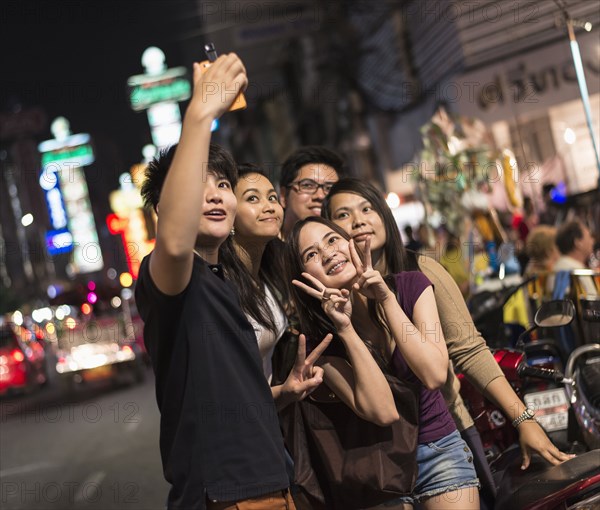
(267, 339)
(566, 263)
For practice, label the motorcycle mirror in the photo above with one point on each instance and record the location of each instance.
(558, 312)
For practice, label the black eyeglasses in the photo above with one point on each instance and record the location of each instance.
(310, 187)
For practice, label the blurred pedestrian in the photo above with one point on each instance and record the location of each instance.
(576, 245)
(550, 211)
(452, 259)
(424, 236)
(525, 220)
(541, 249)
(412, 244)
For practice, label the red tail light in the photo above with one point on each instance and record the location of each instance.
(17, 355)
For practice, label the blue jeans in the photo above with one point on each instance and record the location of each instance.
(445, 465)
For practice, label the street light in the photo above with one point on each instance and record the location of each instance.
(583, 90)
(27, 220)
(393, 200)
(570, 136)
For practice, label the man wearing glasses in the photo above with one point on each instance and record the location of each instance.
(306, 177)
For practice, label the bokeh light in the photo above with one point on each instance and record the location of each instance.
(126, 279)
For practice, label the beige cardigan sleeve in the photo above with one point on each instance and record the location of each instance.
(466, 347)
(454, 401)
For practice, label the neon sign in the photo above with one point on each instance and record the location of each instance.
(59, 241)
(134, 236)
(54, 200)
(81, 156)
(67, 197)
(145, 92)
(158, 91)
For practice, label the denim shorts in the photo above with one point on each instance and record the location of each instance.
(445, 465)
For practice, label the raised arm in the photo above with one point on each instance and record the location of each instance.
(422, 346)
(466, 347)
(181, 199)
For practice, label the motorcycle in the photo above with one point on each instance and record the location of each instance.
(572, 402)
(486, 310)
(581, 379)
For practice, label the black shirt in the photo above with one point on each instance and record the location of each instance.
(219, 433)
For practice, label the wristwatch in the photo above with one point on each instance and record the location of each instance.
(528, 414)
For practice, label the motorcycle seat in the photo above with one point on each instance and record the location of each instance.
(522, 489)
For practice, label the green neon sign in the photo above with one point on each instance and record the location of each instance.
(174, 90)
(80, 155)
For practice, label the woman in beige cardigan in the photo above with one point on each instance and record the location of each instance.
(359, 208)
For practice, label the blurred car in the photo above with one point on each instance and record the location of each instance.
(22, 360)
(92, 349)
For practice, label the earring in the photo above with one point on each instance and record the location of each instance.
(232, 231)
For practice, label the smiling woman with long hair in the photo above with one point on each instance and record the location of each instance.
(252, 260)
(360, 209)
(396, 317)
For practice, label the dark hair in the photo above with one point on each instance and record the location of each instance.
(219, 161)
(249, 168)
(567, 234)
(397, 258)
(253, 298)
(310, 154)
(314, 323)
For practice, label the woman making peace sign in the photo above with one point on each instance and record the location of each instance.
(397, 317)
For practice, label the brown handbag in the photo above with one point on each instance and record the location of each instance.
(344, 462)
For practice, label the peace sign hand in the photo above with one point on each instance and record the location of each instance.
(370, 282)
(305, 377)
(335, 302)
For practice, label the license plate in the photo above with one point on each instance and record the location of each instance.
(94, 374)
(552, 408)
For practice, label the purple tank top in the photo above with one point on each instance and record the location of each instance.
(435, 420)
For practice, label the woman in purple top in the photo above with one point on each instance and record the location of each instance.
(397, 317)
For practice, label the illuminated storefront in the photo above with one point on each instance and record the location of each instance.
(532, 103)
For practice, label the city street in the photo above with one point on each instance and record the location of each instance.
(94, 449)
(194, 193)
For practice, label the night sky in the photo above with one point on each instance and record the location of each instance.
(73, 58)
